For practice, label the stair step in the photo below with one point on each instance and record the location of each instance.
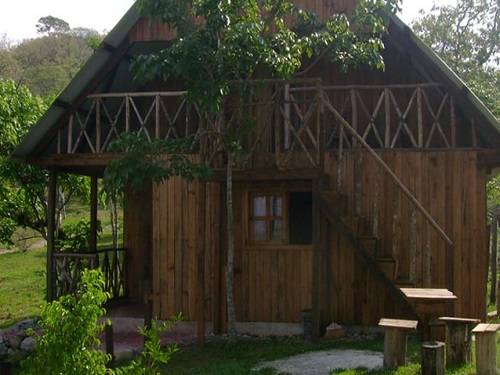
(389, 267)
(405, 283)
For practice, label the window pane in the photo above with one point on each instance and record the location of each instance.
(260, 230)
(276, 206)
(276, 230)
(259, 206)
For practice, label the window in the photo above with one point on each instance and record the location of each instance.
(281, 218)
(267, 218)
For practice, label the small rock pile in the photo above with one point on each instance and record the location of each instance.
(15, 343)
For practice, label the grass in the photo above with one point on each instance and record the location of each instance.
(22, 285)
(240, 357)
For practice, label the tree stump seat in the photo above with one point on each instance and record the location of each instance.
(486, 354)
(458, 339)
(433, 358)
(395, 340)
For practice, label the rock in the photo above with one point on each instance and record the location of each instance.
(14, 341)
(28, 344)
(334, 331)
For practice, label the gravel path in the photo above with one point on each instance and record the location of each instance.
(322, 363)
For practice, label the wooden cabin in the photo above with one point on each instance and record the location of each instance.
(356, 185)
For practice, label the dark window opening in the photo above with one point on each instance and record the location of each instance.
(300, 218)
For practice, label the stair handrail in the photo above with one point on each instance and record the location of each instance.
(388, 170)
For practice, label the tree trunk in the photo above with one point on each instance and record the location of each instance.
(231, 312)
(113, 216)
(493, 262)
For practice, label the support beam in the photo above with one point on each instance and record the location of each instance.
(51, 227)
(93, 214)
(202, 194)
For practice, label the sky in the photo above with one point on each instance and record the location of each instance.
(18, 18)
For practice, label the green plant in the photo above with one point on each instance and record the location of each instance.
(74, 236)
(69, 343)
(153, 356)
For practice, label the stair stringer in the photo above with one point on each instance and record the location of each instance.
(335, 218)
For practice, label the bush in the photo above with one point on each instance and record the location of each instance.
(74, 237)
(69, 344)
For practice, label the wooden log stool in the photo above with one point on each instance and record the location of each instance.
(433, 358)
(458, 339)
(395, 340)
(486, 354)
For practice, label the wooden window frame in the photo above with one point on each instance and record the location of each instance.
(268, 218)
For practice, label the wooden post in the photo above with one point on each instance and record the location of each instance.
(458, 340)
(395, 340)
(110, 346)
(395, 343)
(493, 262)
(486, 353)
(202, 191)
(316, 264)
(433, 358)
(93, 214)
(51, 227)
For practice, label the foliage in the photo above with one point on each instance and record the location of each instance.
(153, 357)
(74, 236)
(23, 201)
(46, 64)
(467, 37)
(144, 161)
(69, 343)
(239, 38)
(51, 24)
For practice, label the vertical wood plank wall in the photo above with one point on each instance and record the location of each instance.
(274, 285)
(138, 238)
(452, 188)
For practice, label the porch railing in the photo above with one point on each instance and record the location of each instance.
(68, 268)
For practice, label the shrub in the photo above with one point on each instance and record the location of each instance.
(74, 236)
(69, 343)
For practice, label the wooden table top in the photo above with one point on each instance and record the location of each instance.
(453, 319)
(486, 327)
(428, 294)
(399, 323)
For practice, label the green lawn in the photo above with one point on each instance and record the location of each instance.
(22, 285)
(238, 358)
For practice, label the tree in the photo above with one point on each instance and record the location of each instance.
(23, 201)
(237, 42)
(46, 64)
(51, 24)
(467, 37)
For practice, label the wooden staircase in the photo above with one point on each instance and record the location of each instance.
(334, 207)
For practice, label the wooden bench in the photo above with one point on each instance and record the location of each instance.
(395, 340)
(458, 339)
(486, 354)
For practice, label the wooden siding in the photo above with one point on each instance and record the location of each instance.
(273, 284)
(175, 241)
(137, 238)
(452, 188)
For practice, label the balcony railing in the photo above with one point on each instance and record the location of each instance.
(287, 121)
(68, 268)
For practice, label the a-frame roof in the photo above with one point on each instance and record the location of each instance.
(116, 45)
